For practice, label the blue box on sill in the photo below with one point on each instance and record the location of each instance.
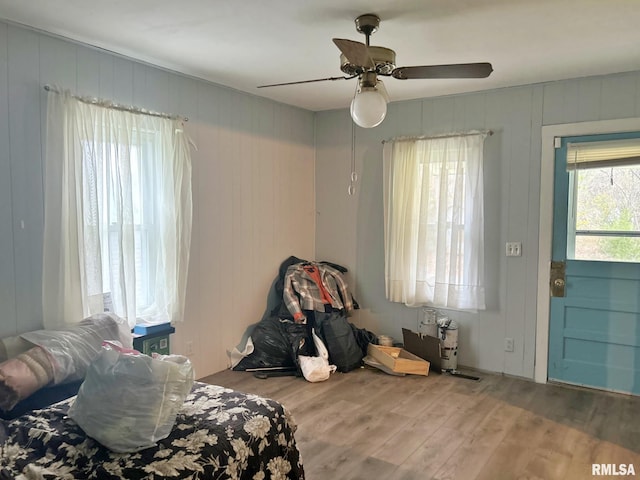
(156, 329)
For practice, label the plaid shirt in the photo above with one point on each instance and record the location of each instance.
(302, 293)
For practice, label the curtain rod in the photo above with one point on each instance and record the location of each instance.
(117, 106)
(444, 135)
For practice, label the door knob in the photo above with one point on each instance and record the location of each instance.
(557, 280)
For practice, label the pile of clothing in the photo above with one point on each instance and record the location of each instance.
(306, 297)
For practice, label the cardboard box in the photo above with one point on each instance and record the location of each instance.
(399, 360)
(424, 346)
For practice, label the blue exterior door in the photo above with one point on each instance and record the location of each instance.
(594, 330)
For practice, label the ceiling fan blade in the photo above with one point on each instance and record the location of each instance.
(357, 53)
(307, 81)
(459, 70)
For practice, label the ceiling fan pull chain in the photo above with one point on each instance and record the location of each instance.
(353, 178)
(351, 189)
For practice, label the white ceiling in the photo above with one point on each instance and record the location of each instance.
(246, 43)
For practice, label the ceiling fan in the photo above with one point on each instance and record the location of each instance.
(367, 63)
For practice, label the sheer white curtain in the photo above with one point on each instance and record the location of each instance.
(434, 221)
(117, 213)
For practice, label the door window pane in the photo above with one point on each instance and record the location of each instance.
(606, 206)
(613, 249)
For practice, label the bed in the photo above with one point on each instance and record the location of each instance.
(218, 434)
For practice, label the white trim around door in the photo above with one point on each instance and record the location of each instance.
(549, 133)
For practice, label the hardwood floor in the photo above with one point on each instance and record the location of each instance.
(368, 425)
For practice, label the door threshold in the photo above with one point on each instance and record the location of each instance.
(562, 383)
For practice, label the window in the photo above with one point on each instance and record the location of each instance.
(110, 160)
(118, 215)
(604, 207)
(434, 221)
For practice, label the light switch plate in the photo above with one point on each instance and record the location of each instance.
(514, 249)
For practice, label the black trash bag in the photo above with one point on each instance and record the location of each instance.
(299, 337)
(277, 343)
(336, 333)
(271, 347)
(363, 338)
(301, 341)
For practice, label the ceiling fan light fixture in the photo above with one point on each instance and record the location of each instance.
(368, 107)
(369, 104)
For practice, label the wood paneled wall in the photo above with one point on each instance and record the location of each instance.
(350, 228)
(271, 181)
(253, 184)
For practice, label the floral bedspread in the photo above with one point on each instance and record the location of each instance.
(218, 434)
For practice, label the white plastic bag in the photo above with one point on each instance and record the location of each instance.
(316, 369)
(320, 346)
(73, 348)
(129, 401)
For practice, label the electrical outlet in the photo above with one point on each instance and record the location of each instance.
(508, 344)
(189, 347)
